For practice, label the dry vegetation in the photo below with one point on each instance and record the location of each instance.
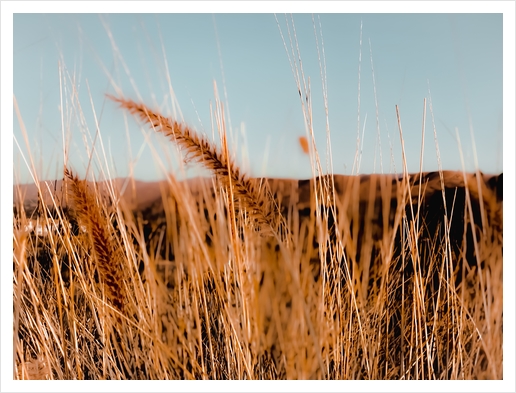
(230, 277)
(371, 277)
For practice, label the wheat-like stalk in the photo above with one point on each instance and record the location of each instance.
(106, 252)
(257, 201)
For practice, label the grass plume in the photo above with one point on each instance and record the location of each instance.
(107, 255)
(257, 202)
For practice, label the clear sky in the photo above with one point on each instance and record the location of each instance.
(454, 59)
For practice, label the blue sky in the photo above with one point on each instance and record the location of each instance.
(454, 59)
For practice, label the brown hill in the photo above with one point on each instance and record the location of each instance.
(138, 195)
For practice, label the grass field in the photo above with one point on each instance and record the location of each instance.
(395, 276)
(338, 277)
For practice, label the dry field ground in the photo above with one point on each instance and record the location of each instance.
(227, 277)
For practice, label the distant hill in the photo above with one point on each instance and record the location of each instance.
(137, 194)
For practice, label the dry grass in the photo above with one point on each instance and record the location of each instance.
(334, 277)
(257, 202)
(378, 277)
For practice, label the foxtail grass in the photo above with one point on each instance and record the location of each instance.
(108, 256)
(257, 202)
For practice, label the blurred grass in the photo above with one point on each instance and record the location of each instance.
(359, 294)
